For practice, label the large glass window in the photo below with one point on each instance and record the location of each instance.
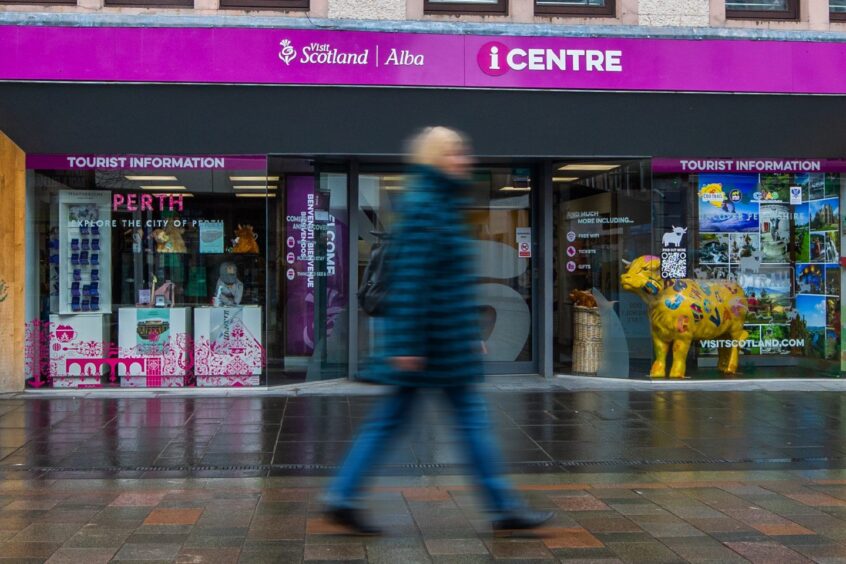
(602, 217)
(762, 9)
(837, 9)
(149, 271)
(709, 275)
(500, 219)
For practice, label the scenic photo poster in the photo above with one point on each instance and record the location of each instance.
(727, 203)
(779, 236)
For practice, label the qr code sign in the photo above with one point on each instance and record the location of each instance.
(673, 264)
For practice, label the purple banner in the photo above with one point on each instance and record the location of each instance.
(144, 162)
(751, 166)
(306, 217)
(280, 56)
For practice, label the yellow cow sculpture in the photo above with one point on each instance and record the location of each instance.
(686, 310)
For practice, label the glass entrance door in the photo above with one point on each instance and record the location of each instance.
(309, 283)
(500, 215)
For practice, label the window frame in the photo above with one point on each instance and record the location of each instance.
(608, 11)
(791, 14)
(278, 5)
(836, 16)
(178, 4)
(455, 7)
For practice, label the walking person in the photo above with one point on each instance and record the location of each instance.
(432, 335)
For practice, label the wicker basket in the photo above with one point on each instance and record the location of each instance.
(587, 345)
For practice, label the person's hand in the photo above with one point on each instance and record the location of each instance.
(407, 363)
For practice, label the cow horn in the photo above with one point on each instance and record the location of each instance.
(626, 263)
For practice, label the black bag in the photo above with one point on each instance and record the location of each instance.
(374, 287)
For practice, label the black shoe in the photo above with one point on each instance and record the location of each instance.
(353, 519)
(522, 519)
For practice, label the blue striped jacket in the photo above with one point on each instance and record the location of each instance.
(432, 310)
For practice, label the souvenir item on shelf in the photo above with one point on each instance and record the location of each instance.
(582, 298)
(163, 295)
(246, 240)
(229, 290)
(169, 239)
(687, 310)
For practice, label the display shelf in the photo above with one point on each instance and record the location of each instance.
(84, 252)
(154, 346)
(228, 346)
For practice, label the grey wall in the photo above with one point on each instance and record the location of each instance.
(257, 119)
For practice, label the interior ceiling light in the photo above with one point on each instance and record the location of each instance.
(392, 178)
(180, 195)
(254, 178)
(254, 187)
(589, 167)
(162, 187)
(255, 195)
(564, 178)
(151, 178)
(516, 189)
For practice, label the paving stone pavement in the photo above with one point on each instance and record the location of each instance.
(724, 516)
(632, 476)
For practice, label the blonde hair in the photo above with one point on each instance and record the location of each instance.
(432, 144)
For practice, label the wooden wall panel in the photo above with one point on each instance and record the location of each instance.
(12, 271)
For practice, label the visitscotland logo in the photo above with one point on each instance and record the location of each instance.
(320, 54)
(495, 59)
(287, 53)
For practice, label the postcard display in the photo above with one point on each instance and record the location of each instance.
(82, 253)
(779, 237)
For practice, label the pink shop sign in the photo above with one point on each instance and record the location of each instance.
(327, 57)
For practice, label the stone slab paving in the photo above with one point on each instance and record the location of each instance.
(649, 517)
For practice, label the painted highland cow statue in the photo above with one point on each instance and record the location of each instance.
(686, 310)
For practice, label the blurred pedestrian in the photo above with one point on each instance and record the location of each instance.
(432, 335)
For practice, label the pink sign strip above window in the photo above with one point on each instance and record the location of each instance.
(325, 57)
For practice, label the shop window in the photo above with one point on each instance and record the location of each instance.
(151, 271)
(709, 275)
(838, 10)
(465, 6)
(500, 222)
(575, 7)
(763, 9)
(152, 3)
(284, 5)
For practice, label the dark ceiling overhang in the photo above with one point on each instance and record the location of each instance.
(221, 119)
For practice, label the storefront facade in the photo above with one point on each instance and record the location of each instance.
(201, 202)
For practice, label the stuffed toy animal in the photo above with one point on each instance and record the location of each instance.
(245, 240)
(583, 299)
(169, 239)
(174, 234)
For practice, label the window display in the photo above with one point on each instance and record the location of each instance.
(157, 237)
(736, 267)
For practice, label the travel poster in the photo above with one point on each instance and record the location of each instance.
(727, 203)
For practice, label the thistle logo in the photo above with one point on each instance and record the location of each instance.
(287, 53)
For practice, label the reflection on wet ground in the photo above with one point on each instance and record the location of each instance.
(607, 431)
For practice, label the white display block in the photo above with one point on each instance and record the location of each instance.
(78, 350)
(228, 348)
(155, 347)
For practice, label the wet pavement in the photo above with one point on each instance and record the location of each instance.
(633, 476)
